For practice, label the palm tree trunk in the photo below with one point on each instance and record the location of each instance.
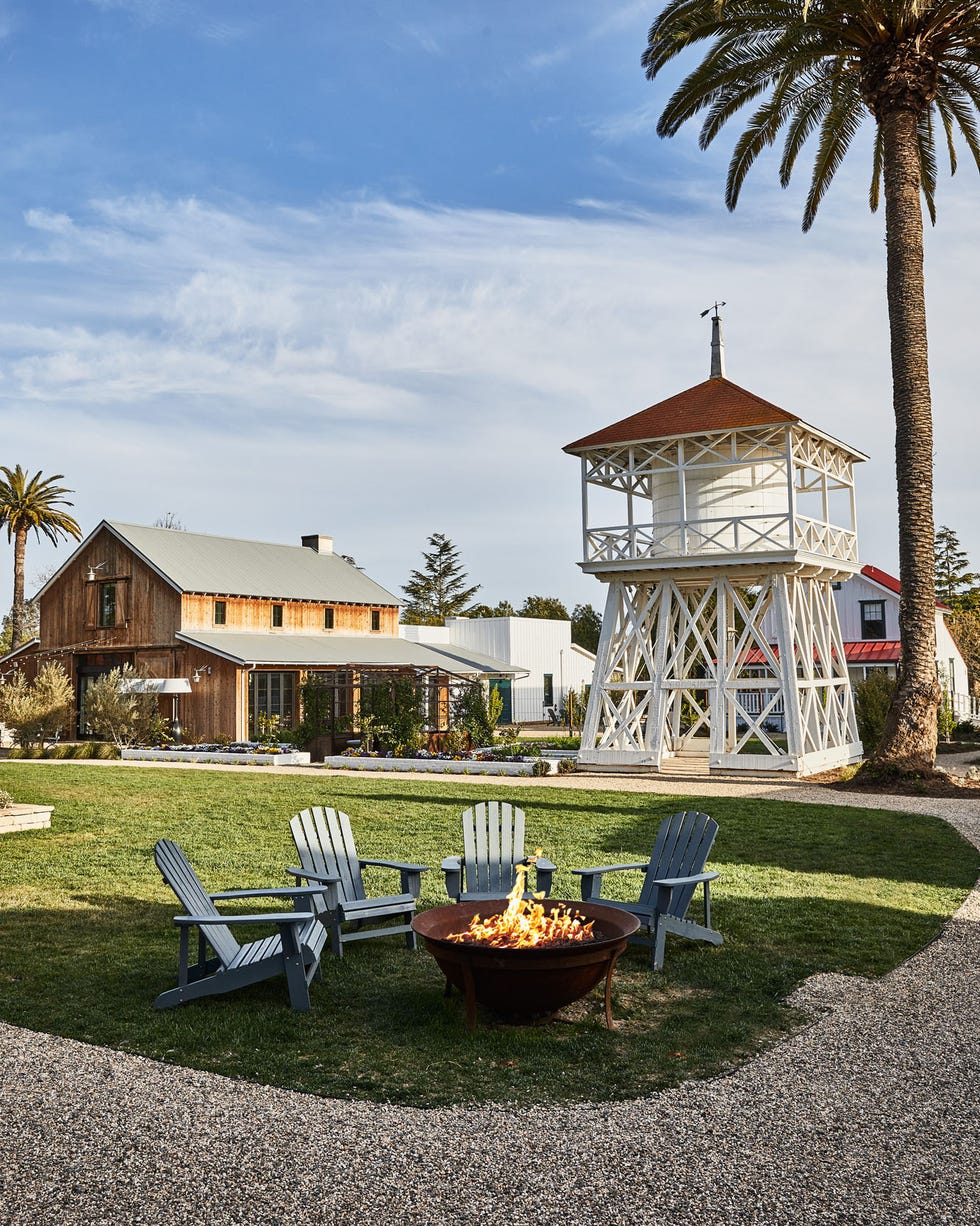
(909, 739)
(17, 612)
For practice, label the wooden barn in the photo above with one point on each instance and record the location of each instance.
(235, 626)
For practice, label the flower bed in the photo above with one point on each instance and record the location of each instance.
(244, 753)
(434, 764)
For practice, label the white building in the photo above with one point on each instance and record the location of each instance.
(867, 607)
(542, 648)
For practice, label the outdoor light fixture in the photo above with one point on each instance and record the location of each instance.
(204, 670)
(90, 577)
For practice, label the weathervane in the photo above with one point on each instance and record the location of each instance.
(717, 344)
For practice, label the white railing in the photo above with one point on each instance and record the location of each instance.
(724, 535)
(675, 538)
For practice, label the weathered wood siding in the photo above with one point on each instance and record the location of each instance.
(250, 615)
(148, 608)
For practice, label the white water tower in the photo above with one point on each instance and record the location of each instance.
(719, 523)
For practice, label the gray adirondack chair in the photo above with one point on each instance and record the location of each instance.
(295, 952)
(672, 874)
(493, 846)
(328, 858)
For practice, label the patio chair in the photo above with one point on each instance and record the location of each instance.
(295, 952)
(493, 847)
(671, 876)
(328, 858)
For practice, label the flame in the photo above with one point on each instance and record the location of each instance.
(524, 924)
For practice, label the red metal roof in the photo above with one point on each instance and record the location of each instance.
(890, 582)
(879, 651)
(716, 404)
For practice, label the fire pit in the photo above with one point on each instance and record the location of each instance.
(522, 982)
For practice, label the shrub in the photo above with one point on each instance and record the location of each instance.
(566, 766)
(122, 713)
(872, 698)
(6, 800)
(37, 711)
(540, 767)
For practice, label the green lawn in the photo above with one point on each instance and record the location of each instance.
(87, 940)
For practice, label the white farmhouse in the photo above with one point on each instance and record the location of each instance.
(867, 608)
(541, 648)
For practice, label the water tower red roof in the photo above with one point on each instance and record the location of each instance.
(716, 404)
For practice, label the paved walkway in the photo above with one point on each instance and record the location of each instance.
(868, 1115)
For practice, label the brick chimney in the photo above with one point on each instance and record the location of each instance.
(319, 544)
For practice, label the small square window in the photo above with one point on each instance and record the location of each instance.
(328, 619)
(375, 619)
(872, 619)
(220, 612)
(277, 615)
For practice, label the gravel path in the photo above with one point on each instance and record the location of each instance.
(868, 1115)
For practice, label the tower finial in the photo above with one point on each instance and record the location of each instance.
(717, 344)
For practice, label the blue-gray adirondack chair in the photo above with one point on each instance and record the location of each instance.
(328, 857)
(295, 952)
(493, 847)
(672, 874)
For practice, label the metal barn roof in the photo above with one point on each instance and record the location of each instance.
(193, 562)
(340, 650)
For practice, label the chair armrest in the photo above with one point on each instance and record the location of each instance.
(308, 875)
(610, 868)
(543, 872)
(410, 868)
(591, 883)
(452, 866)
(278, 917)
(288, 891)
(693, 880)
(411, 874)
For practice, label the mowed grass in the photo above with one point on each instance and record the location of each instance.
(87, 940)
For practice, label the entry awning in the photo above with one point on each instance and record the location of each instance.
(345, 651)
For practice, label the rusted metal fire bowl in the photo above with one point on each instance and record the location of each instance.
(521, 983)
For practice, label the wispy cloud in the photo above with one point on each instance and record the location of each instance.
(383, 370)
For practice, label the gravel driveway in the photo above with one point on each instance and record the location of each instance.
(868, 1115)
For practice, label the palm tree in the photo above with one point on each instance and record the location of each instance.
(31, 504)
(821, 67)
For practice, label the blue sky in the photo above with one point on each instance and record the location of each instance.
(364, 268)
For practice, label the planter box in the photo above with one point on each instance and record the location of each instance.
(432, 765)
(25, 817)
(295, 758)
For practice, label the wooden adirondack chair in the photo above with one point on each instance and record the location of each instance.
(328, 858)
(295, 952)
(493, 846)
(672, 875)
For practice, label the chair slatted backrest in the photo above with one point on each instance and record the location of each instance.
(493, 843)
(325, 844)
(178, 874)
(683, 845)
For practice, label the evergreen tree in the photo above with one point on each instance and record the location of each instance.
(438, 590)
(586, 627)
(955, 584)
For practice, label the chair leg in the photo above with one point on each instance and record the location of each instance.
(659, 941)
(336, 944)
(411, 940)
(295, 968)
